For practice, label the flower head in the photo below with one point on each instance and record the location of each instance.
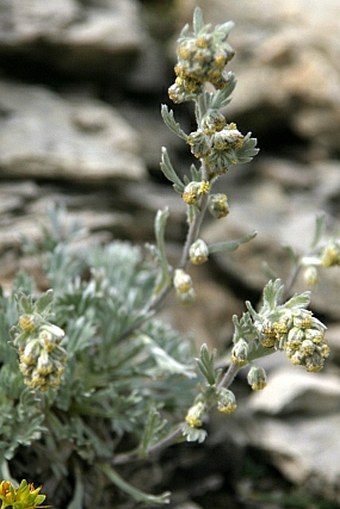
(26, 496)
(199, 252)
(195, 415)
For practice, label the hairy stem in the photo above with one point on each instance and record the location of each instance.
(229, 376)
(134, 455)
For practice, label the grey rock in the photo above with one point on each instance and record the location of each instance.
(306, 451)
(292, 390)
(25, 22)
(74, 37)
(333, 338)
(45, 135)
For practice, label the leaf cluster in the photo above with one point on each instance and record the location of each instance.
(113, 378)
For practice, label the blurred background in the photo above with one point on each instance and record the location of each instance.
(81, 83)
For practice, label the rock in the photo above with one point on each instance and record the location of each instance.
(78, 38)
(153, 134)
(292, 390)
(44, 135)
(306, 451)
(25, 22)
(333, 338)
(295, 420)
(188, 505)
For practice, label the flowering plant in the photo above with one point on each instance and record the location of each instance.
(91, 380)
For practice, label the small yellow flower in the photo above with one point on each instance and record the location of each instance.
(195, 414)
(257, 378)
(268, 336)
(27, 323)
(204, 187)
(226, 402)
(311, 276)
(227, 409)
(199, 252)
(218, 205)
(203, 41)
(26, 496)
(239, 353)
(182, 281)
(330, 256)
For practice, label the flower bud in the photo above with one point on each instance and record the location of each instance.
(182, 282)
(194, 190)
(191, 193)
(239, 353)
(226, 402)
(187, 298)
(27, 323)
(56, 331)
(218, 205)
(331, 256)
(257, 378)
(195, 415)
(199, 143)
(198, 252)
(310, 276)
(268, 336)
(213, 122)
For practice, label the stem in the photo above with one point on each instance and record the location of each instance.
(229, 376)
(291, 280)
(134, 455)
(193, 231)
(195, 226)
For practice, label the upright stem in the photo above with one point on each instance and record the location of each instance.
(291, 282)
(229, 376)
(193, 231)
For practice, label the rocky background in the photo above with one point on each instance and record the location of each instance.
(81, 83)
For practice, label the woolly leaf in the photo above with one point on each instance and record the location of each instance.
(231, 245)
(170, 172)
(170, 122)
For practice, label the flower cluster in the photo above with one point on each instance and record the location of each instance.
(305, 343)
(26, 496)
(221, 398)
(288, 327)
(301, 336)
(202, 57)
(219, 147)
(41, 356)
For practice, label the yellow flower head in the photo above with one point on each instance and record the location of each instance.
(26, 496)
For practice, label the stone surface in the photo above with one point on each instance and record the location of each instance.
(45, 135)
(83, 38)
(292, 390)
(305, 450)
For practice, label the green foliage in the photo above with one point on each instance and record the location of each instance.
(112, 379)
